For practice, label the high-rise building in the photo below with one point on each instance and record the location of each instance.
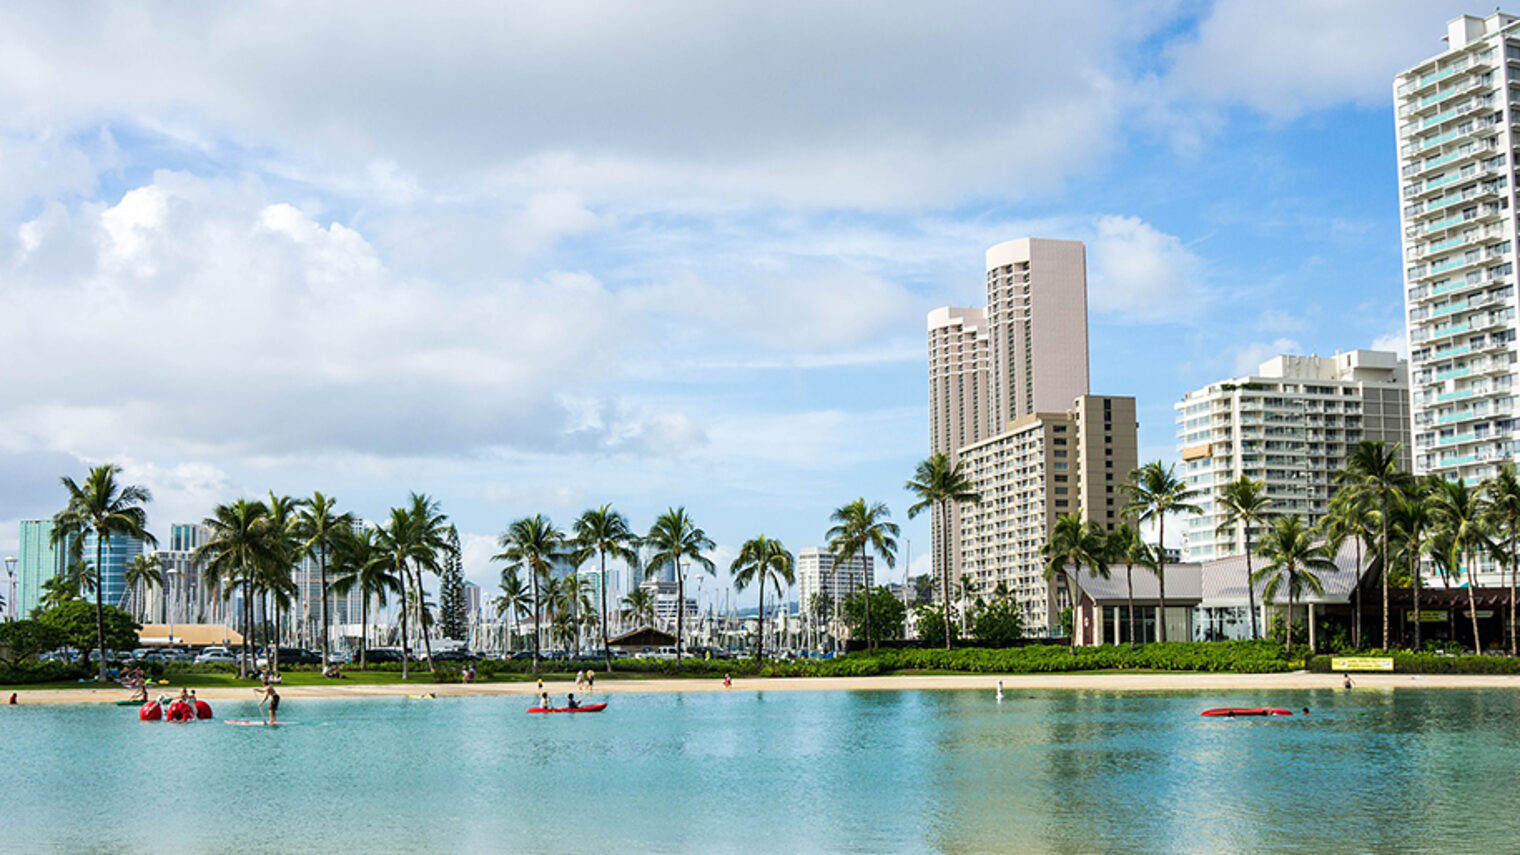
(186, 597)
(1290, 426)
(38, 562)
(1025, 355)
(1037, 326)
(1456, 114)
(117, 551)
(1046, 464)
(816, 573)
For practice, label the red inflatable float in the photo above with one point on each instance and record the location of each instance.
(151, 711)
(180, 711)
(202, 709)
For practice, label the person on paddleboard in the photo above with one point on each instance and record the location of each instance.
(269, 694)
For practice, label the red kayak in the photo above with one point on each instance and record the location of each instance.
(586, 708)
(1231, 712)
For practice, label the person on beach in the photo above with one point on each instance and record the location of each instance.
(590, 680)
(12, 701)
(1347, 683)
(728, 681)
(140, 694)
(269, 694)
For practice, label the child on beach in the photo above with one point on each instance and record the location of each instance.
(590, 680)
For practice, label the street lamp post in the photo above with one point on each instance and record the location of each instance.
(10, 602)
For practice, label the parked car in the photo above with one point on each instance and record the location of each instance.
(454, 656)
(216, 655)
(382, 654)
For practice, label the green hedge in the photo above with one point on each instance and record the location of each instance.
(1433, 663)
(1233, 656)
(43, 672)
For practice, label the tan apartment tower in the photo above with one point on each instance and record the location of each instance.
(1071, 461)
(1037, 325)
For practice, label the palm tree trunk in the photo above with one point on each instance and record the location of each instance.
(322, 580)
(680, 609)
(533, 574)
(945, 562)
(1161, 577)
(1356, 595)
(606, 645)
(364, 632)
(1472, 605)
(406, 655)
(760, 627)
(1129, 580)
(247, 623)
(100, 608)
(1288, 630)
(1414, 572)
(1250, 589)
(1076, 609)
(869, 645)
(1512, 572)
(422, 627)
(1384, 523)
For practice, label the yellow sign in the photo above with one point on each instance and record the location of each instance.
(1361, 663)
(1427, 616)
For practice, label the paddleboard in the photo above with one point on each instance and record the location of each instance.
(259, 723)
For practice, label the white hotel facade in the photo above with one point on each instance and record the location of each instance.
(1457, 114)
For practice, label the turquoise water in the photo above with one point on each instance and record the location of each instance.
(1054, 771)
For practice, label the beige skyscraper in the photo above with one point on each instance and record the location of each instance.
(1037, 325)
(997, 374)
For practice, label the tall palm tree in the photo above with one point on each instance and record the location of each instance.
(638, 607)
(1292, 559)
(1353, 516)
(537, 545)
(674, 537)
(1501, 495)
(763, 559)
(1458, 513)
(1155, 491)
(105, 507)
(1127, 547)
(603, 532)
(1242, 503)
(939, 484)
(320, 527)
(275, 577)
(1073, 545)
(1411, 527)
(1373, 469)
(243, 540)
(859, 530)
(144, 573)
(428, 534)
(359, 562)
(513, 601)
(397, 542)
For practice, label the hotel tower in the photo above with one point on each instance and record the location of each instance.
(1457, 118)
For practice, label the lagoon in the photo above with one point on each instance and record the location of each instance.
(827, 771)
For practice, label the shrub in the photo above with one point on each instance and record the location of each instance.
(42, 672)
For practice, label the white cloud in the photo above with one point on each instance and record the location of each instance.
(1137, 272)
(1395, 341)
(1249, 357)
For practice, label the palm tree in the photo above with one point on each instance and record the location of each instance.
(605, 532)
(861, 529)
(60, 589)
(762, 560)
(638, 607)
(320, 527)
(965, 594)
(242, 541)
(1501, 495)
(274, 578)
(428, 534)
(1411, 525)
(144, 573)
(1458, 513)
(1373, 469)
(1127, 547)
(537, 544)
(513, 600)
(1073, 545)
(1292, 559)
(1242, 502)
(360, 562)
(939, 484)
(1155, 491)
(1354, 517)
(673, 537)
(105, 507)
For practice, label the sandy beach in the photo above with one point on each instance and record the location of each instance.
(1107, 682)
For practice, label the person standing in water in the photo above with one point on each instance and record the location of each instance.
(269, 694)
(1347, 683)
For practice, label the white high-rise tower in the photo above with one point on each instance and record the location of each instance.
(1457, 113)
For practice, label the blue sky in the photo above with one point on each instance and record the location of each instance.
(537, 257)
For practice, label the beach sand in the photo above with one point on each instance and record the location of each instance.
(1106, 682)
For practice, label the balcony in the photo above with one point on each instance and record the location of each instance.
(1459, 395)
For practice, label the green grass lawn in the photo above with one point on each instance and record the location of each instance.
(226, 680)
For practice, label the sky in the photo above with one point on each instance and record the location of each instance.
(538, 257)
